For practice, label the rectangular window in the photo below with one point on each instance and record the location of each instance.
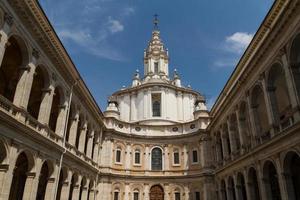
(177, 196)
(116, 196)
(156, 105)
(176, 157)
(197, 194)
(118, 155)
(195, 156)
(135, 196)
(137, 159)
(156, 67)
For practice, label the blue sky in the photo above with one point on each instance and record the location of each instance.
(106, 38)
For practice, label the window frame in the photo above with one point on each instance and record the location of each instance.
(175, 195)
(156, 68)
(156, 108)
(134, 193)
(197, 152)
(134, 160)
(116, 156)
(176, 151)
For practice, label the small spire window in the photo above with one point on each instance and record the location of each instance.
(156, 67)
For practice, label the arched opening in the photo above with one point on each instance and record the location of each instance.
(234, 131)
(43, 180)
(271, 181)
(260, 113)
(19, 177)
(244, 124)
(39, 85)
(156, 159)
(56, 108)
(295, 62)
(10, 69)
(156, 193)
(231, 189)
(292, 169)
(253, 184)
(241, 187)
(88, 134)
(226, 139)
(279, 96)
(73, 185)
(223, 190)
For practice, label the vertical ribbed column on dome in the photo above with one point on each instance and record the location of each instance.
(133, 106)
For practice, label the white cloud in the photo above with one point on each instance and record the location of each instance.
(226, 62)
(238, 42)
(92, 44)
(115, 25)
(128, 11)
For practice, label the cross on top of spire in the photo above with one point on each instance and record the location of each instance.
(155, 21)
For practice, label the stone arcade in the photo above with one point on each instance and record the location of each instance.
(156, 140)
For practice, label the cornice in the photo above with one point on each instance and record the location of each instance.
(252, 54)
(37, 23)
(158, 84)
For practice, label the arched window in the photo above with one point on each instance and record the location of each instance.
(195, 156)
(156, 159)
(271, 181)
(137, 157)
(43, 180)
(116, 194)
(156, 104)
(136, 195)
(118, 155)
(176, 158)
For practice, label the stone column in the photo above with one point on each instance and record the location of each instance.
(163, 104)
(270, 113)
(85, 191)
(61, 119)
(146, 191)
(66, 187)
(4, 32)
(133, 112)
(241, 132)
(73, 128)
(261, 181)
(185, 158)
(205, 151)
(90, 138)
(281, 179)
(127, 191)
(127, 156)
(167, 191)
(179, 106)
(252, 120)
(82, 137)
(76, 190)
(96, 147)
(186, 193)
(232, 139)
(225, 146)
(147, 160)
(290, 86)
(166, 158)
(46, 104)
(24, 85)
(32, 182)
(145, 100)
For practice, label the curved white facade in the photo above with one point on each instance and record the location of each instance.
(156, 99)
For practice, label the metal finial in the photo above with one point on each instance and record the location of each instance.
(155, 21)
